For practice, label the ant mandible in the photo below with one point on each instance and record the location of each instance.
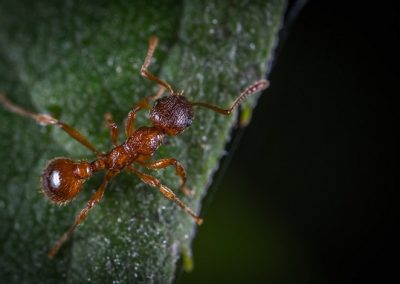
(63, 179)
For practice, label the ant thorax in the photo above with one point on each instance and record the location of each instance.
(143, 142)
(172, 114)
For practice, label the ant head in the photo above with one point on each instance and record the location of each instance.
(63, 179)
(172, 114)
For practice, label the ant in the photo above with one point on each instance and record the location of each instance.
(63, 178)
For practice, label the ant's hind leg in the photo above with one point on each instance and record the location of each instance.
(180, 171)
(96, 197)
(44, 119)
(110, 123)
(144, 103)
(153, 42)
(154, 182)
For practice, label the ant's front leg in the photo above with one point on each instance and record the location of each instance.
(96, 197)
(44, 119)
(180, 171)
(154, 182)
(144, 103)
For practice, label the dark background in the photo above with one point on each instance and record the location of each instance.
(308, 196)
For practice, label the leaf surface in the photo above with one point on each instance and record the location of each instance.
(79, 60)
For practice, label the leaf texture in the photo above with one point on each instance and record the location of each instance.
(81, 59)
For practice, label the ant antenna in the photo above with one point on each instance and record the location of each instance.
(153, 42)
(253, 88)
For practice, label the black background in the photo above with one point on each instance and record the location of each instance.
(309, 194)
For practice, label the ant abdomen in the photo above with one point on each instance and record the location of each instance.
(63, 179)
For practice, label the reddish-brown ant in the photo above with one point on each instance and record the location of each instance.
(62, 179)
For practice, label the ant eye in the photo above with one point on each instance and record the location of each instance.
(60, 180)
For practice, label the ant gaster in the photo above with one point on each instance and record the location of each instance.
(63, 178)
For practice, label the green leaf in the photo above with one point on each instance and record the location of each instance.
(79, 60)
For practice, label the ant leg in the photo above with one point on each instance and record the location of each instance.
(144, 103)
(109, 122)
(253, 88)
(44, 119)
(152, 181)
(153, 42)
(180, 171)
(96, 197)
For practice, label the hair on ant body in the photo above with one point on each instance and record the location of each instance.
(63, 178)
